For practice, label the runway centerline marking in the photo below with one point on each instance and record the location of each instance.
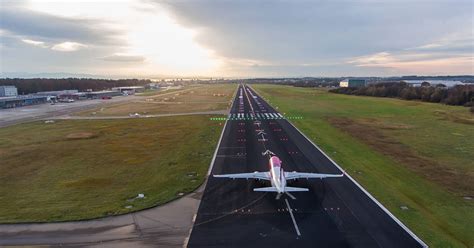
(293, 218)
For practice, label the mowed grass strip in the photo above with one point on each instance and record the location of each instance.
(196, 98)
(407, 154)
(82, 169)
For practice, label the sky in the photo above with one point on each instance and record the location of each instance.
(239, 38)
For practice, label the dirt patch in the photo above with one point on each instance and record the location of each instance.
(444, 115)
(81, 135)
(384, 125)
(412, 103)
(371, 135)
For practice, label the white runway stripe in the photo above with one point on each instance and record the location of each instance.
(293, 217)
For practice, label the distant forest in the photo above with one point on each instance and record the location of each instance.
(27, 86)
(462, 95)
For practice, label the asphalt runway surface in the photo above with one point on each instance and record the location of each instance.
(336, 212)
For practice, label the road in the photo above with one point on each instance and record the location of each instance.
(68, 117)
(336, 212)
(18, 115)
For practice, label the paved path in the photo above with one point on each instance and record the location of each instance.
(68, 117)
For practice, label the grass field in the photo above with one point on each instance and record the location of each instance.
(406, 153)
(70, 170)
(190, 99)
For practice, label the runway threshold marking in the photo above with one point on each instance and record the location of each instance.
(293, 217)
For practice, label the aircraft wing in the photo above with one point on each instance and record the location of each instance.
(253, 175)
(296, 175)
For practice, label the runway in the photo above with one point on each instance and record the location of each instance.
(336, 212)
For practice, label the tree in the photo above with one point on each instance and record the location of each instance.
(459, 95)
(426, 93)
(425, 84)
(438, 95)
(409, 93)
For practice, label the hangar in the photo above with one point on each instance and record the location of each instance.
(352, 83)
(20, 101)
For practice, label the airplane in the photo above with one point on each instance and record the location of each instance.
(278, 178)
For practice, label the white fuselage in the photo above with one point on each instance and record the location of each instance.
(278, 179)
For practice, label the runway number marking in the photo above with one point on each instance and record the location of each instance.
(293, 218)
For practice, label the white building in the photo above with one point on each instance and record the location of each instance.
(352, 83)
(8, 90)
(130, 89)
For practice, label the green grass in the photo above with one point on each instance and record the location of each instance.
(439, 137)
(71, 170)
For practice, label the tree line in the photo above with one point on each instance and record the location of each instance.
(33, 85)
(462, 95)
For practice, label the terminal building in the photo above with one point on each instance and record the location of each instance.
(59, 95)
(8, 91)
(129, 89)
(9, 98)
(105, 94)
(20, 101)
(56, 93)
(352, 83)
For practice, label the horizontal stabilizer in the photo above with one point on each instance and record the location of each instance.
(294, 189)
(266, 189)
(274, 189)
(296, 175)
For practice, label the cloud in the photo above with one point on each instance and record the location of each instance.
(121, 57)
(40, 26)
(312, 32)
(68, 46)
(377, 59)
(283, 30)
(452, 49)
(238, 38)
(435, 58)
(35, 43)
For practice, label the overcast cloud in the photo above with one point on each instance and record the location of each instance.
(239, 38)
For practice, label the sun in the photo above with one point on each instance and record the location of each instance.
(169, 45)
(146, 29)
